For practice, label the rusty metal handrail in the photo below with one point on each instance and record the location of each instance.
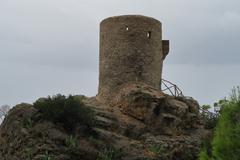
(172, 88)
(176, 92)
(210, 115)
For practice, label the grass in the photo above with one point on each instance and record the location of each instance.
(110, 154)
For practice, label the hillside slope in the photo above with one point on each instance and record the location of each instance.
(142, 125)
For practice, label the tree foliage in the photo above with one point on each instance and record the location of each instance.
(226, 141)
(209, 118)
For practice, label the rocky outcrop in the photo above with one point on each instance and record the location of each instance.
(141, 123)
(161, 113)
(25, 137)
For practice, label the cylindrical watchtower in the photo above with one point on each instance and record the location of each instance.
(131, 50)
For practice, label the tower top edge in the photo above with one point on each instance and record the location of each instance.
(129, 17)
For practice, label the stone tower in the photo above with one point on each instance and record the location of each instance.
(131, 51)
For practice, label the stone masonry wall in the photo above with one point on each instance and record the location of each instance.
(131, 50)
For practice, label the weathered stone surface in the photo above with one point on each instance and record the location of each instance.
(23, 138)
(161, 113)
(158, 131)
(131, 50)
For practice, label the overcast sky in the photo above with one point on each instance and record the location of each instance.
(51, 46)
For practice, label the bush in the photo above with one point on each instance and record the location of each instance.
(204, 155)
(226, 140)
(68, 111)
(209, 120)
(206, 152)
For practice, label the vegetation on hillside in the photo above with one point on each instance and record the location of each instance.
(209, 119)
(68, 111)
(225, 144)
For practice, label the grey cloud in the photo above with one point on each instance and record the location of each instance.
(196, 29)
(208, 83)
(59, 39)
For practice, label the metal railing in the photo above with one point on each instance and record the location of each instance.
(210, 115)
(173, 89)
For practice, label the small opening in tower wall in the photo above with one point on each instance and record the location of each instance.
(149, 34)
(127, 28)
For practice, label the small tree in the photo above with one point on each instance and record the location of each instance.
(226, 141)
(235, 95)
(206, 107)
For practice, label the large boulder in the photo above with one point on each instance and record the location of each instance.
(163, 114)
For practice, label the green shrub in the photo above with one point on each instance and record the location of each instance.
(157, 149)
(206, 152)
(28, 122)
(47, 156)
(71, 142)
(68, 111)
(204, 155)
(235, 95)
(226, 141)
(209, 120)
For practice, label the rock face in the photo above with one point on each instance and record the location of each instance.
(143, 124)
(25, 137)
